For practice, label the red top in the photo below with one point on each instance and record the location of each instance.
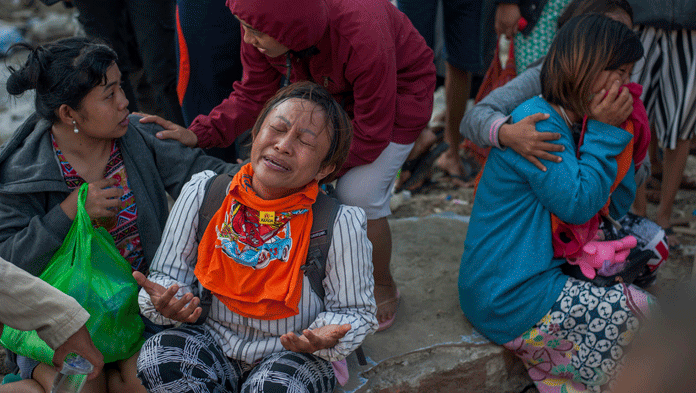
(371, 59)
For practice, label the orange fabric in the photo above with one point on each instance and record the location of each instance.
(623, 160)
(497, 75)
(480, 154)
(251, 253)
(184, 64)
(477, 180)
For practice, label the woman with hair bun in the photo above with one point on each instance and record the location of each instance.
(82, 132)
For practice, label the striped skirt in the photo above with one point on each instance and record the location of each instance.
(668, 75)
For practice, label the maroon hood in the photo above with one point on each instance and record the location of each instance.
(297, 24)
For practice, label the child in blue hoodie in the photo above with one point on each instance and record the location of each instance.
(570, 333)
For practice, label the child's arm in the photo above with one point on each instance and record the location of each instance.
(481, 124)
(488, 123)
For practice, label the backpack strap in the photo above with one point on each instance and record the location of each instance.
(324, 211)
(215, 193)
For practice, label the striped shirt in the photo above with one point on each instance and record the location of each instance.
(348, 284)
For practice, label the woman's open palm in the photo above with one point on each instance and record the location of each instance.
(184, 310)
(313, 340)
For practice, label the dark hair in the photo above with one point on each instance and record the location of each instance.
(603, 7)
(61, 72)
(584, 47)
(338, 122)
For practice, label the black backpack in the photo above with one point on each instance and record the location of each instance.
(324, 211)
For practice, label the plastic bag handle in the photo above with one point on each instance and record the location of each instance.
(81, 201)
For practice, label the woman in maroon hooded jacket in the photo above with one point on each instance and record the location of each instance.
(369, 56)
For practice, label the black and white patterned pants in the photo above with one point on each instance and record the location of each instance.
(189, 359)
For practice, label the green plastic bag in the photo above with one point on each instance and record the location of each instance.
(89, 268)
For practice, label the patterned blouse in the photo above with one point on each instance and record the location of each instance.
(123, 227)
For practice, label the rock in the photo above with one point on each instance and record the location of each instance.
(461, 367)
(51, 27)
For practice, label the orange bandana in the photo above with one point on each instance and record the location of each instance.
(251, 253)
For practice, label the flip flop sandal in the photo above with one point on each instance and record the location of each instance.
(423, 188)
(423, 168)
(411, 164)
(384, 325)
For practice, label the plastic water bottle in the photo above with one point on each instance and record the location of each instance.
(73, 375)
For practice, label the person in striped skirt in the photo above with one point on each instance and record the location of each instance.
(668, 76)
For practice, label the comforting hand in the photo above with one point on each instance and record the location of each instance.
(612, 107)
(313, 340)
(103, 200)
(182, 310)
(171, 130)
(531, 144)
(506, 18)
(81, 344)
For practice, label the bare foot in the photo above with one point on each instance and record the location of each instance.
(451, 163)
(387, 300)
(672, 240)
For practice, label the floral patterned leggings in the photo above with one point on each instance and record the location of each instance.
(579, 344)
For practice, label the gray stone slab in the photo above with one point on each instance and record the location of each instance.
(431, 347)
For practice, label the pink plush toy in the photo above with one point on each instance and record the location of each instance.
(605, 256)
